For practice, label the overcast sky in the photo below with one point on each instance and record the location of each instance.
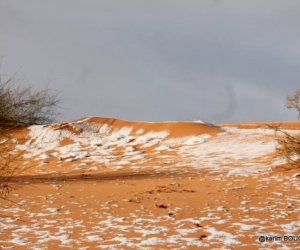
(211, 60)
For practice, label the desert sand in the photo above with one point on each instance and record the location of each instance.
(100, 183)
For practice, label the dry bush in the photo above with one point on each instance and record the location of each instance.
(23, 106)
(289, 148)
(293, 102)
(289, 145)
(7, 169)
(19, 107)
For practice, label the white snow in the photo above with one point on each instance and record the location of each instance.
(224, 237)
(235, 152)
(92, 238)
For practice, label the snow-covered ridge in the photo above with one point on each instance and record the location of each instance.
(97, 145)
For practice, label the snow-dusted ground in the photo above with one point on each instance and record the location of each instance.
(85, 216)
(229, 196)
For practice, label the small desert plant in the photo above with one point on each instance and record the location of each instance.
(7, 170)
(289, 144)
(23, 106)
(19, 106)
(293, 102)
(289, 147)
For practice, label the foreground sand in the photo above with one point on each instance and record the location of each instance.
(109, 184)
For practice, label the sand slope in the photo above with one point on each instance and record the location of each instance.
(100, 183)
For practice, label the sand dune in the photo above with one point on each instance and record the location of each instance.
(175, 129)
(112, 184)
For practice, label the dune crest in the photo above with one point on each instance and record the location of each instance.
(174, 129)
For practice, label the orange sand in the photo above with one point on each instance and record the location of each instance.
(157, 205)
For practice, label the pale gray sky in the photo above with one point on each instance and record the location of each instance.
(211, 60)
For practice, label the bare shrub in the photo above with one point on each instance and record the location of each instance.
(23, 106)
(7, 169)
(19, 107)
(293, 102)
(289, 145)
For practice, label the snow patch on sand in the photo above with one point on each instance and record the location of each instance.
(237, 152)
